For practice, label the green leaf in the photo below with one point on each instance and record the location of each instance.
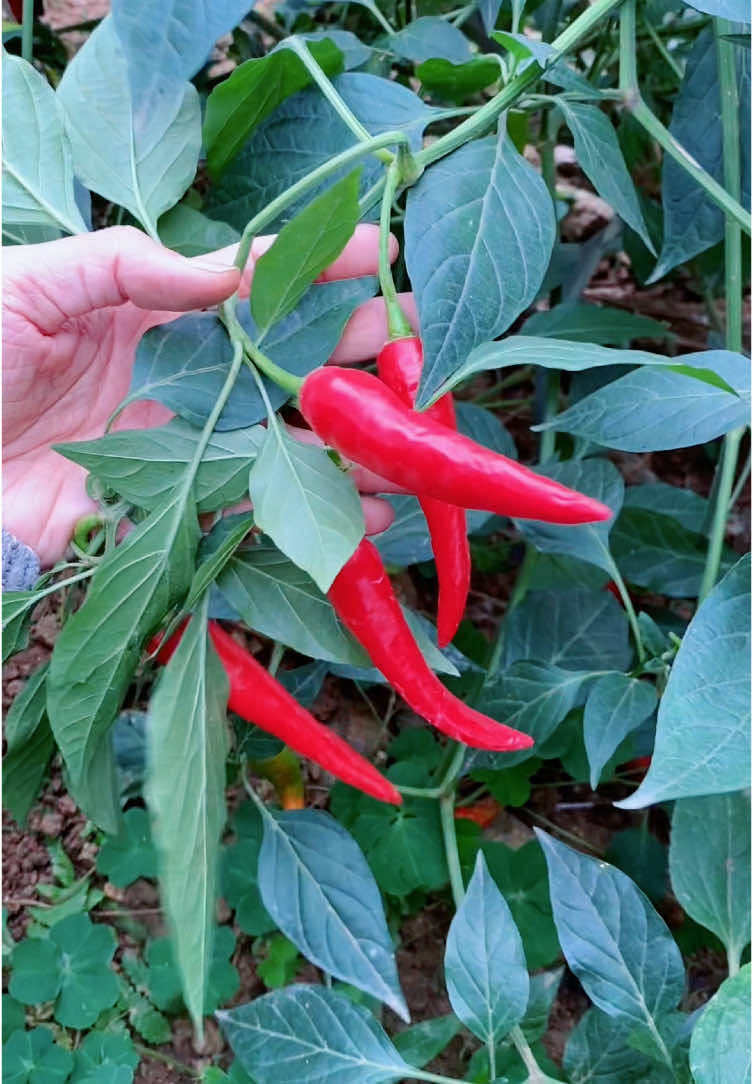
(231, 530)
(692, 221)
(239, 883)
(720, 1044)
(485, 968)
(643, 858)
(129, 855)
(423, 1042)
(279, 966)
(509, 786)
(575, 629)
(104, 1057)
(654, 409)
(163, 978)
(338, 1040)
(428, 37)
(306, 858)
(599, 155)
(457, 82)
(143, 465)
(280, 601)
(30, 746)
(690, 509)
(142, 160)
(191, 233)
(703, 730)
(238, 104)
(520, 875)
(97, 651)
(37, 160)
(35, 976)
(33, 1057)
(14, 1016)
(709, 862)
(612, 938)
(470, 280)
(185, 788)
(581, 322)
(590, 542)
(403, 844)
(304, 133)
(17, 613)
(616, 706)
(598, 1052)
(302, 249)
(328, 522)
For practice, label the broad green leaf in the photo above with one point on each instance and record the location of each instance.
(35, 976)
(657, 553)
(30, 746)
(616, 706)
(238, 104)
(575, 629)
(720, 1044)
(709, 862)
(280, 601)
(600, 157)
(485, 969)
(305, 132)
(191, 233)
(273, 1036)
(598, 1052)
(692, 222)
(703, 731)
(232, 530)
(489, 10)
(14, 1017)
(472, 274)
(589, 542)
(733, 10)
(307, 859)
(33, 1057)
(143, 465)
(303, 248)
(581, 322)
(141, 158)
(407, 540)
(643, 858)
(185, 789)
(652, 409)
(239, 884)
(423, 1042)
(17, 612)
(98, 649)
(163, 979)
(533, 697)
(428, 37)
(184, 364)
(129, 855)
(37, 160)
(689, 508)
(104, 1057)
(706, 366)
(612, 938)
(523, 46)
(458, 81)
(353, 50)
(324, 529)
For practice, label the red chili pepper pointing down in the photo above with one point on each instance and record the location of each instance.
(399, 365)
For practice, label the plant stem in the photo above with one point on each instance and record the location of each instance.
(273, 209)
(397, 322)
(325, 85)
(27, 31)
(739, 484)
(648, 120)
(535, 1075)
(278, 650)
(60, 586)
(627, 602)
(663, 50)
(285, 380)
(728, 463)
(485, 117)
(447, 817)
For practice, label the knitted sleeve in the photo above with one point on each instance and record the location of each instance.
(20, 564)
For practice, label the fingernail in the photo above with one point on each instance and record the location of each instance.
(206, 263)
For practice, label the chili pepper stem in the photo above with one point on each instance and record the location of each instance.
(397, 322)
(447, 818)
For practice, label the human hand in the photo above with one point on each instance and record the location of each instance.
(74, 312)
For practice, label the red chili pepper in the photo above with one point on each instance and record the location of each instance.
(258, 698)
(399, 365)
(363, 597)
(364, 420)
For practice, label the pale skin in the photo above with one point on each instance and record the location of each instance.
(74, 312)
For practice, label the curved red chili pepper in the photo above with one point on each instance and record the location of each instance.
(259, 698)
(399, 365)
(363, 597)
(364, 420)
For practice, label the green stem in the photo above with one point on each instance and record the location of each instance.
(397, 322)
(27, 31)
(730, 449)
(447, 817)
(287, 381)
(219, 406)
(485, 117)
(627, 602)
(663, 50)
(651, 123)
(323, 82)
(273, 209)
(739, 484)
(278, 650)
(519, 1041)
(62, 585)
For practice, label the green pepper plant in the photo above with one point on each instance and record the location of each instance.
(617, 664)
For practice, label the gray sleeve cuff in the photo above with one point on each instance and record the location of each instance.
(20, 564)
